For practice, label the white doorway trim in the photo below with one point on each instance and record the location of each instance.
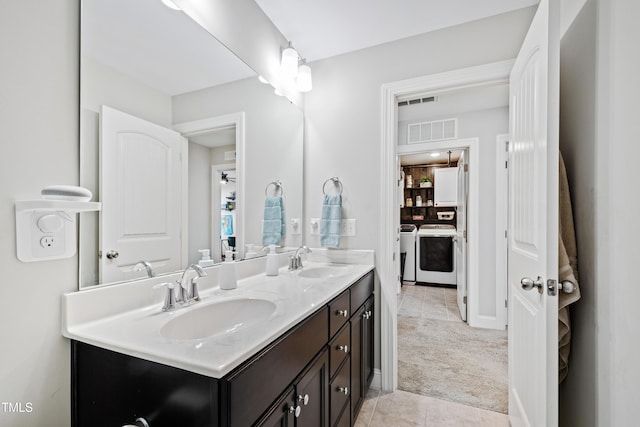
(502, 199)
(210, 124)
(497, 73)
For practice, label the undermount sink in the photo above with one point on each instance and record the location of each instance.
(322, 272)
(216, 318)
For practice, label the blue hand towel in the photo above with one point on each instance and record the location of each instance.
(273, 225)
(330, 221)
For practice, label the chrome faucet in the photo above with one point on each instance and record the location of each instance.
(190, 293)
(295, 262)
(144, 264)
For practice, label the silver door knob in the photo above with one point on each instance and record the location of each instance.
(112, 254)
(344, 390)
(343, 313)
(567, 286)
(344, 348)
(528, 283)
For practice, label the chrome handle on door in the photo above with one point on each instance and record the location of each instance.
(344, 390)
(567, 286)
(528, 283)
(304, 399)
(112, 254)
(343, 313)
(344, 348)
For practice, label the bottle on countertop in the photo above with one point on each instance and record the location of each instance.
(206, 260)
(273, 263)
(228, 279)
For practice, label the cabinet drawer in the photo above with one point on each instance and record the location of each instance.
(253, 387)
(361, 290)
(339, 312)
(340, 390)
(339, 348)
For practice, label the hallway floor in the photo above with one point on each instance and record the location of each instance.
(404, 409)
(441, 357)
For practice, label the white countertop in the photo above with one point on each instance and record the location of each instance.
(136, 331)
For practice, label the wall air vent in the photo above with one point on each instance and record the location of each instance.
(415, 101)
(437, 130)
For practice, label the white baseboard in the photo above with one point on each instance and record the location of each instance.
(376, 382)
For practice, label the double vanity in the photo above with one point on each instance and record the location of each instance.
(293, 349)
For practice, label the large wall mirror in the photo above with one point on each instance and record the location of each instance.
(179, 141)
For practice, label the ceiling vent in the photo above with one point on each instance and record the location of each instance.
(437, 130)
(418, 101)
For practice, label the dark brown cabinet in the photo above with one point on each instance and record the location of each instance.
(314, 375)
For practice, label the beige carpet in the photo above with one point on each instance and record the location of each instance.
(440, 356)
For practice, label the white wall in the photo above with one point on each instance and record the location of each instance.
(38, 147)
(199, 201)
(486, 125)
(618, 70)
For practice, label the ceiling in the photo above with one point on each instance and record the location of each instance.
(167, 51)
(321, 29)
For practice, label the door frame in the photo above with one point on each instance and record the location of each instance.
(502, 203)
(211, 124)
(493, 73)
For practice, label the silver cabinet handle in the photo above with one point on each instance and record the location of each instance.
(344, 390)
(295, 410)
(304, 399)
(112, 254)
(528, 283)
(343, 313)
(344, 348)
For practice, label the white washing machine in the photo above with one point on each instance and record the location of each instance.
(435, 254)
(408, 246)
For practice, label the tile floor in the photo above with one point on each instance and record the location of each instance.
(403, 409)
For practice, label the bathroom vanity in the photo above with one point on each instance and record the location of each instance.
(313, 367)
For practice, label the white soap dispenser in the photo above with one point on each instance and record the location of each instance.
(273, 263)
(228, 279)
(206, 260)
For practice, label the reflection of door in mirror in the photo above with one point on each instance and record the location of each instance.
(141, 191)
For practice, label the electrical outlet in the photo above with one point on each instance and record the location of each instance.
(295, 226)
(47, 242)
(348, 227)
(314, 226)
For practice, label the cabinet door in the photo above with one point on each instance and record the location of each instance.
(362, 349)
(282, 413)
(312, 394)
(446, 187)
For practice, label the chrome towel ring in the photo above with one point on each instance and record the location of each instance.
(336, 182)
(277, 186)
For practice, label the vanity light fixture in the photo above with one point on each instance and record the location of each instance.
(303, 81)
(170, 4)
(289, 62)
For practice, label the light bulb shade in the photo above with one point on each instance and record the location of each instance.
(289, 63)
(303, 82)
(170, 4)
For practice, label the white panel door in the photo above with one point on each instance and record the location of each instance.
(140, 191)
(533, 224)
(461, 238)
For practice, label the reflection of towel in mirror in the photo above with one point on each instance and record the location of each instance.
(567, 270)
(330, 221)
(273, 226)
